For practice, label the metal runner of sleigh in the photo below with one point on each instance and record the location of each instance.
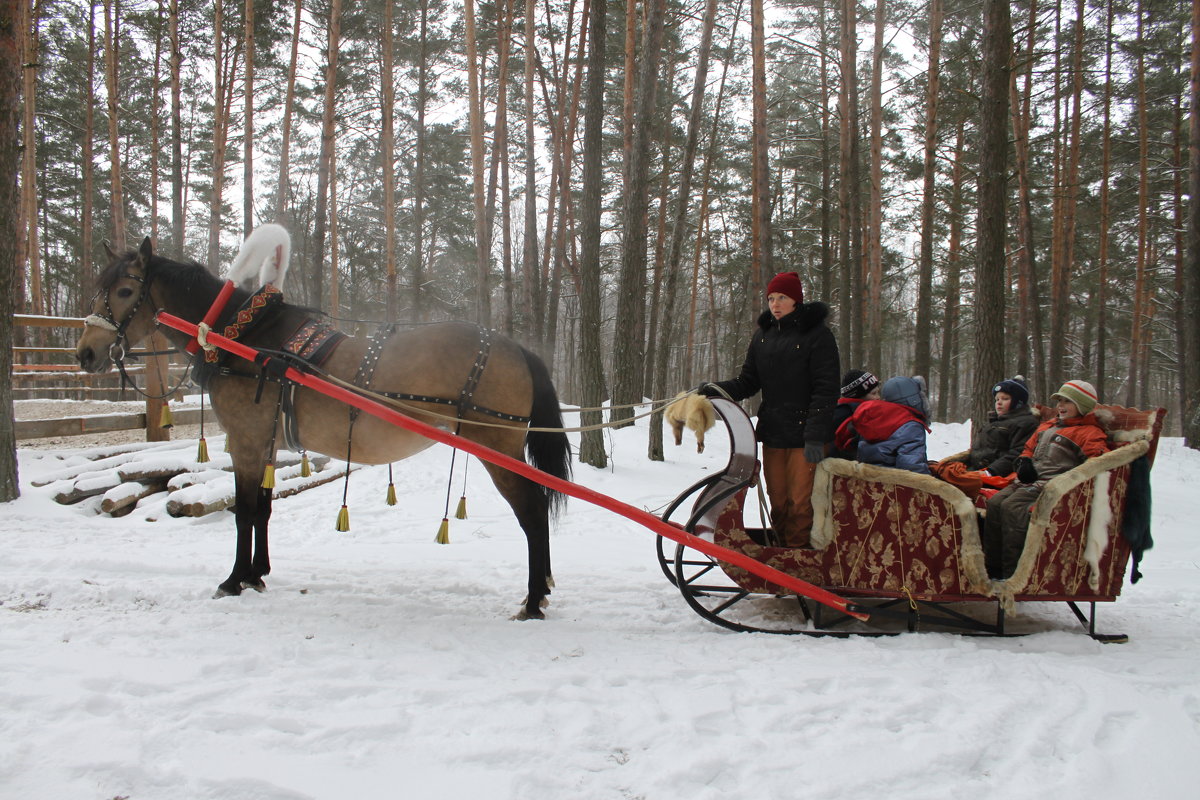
(906, 547)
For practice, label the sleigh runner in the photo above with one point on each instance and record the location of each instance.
(907, 546)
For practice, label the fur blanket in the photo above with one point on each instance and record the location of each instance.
(693, 411)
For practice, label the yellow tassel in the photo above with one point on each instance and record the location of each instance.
(305, 466)
(268, 481)
(343, 520)
(391, 495)
(202, 452)
(443, 535)
(461, 511)
(166, 420)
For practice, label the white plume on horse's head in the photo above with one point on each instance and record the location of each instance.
(262, 258)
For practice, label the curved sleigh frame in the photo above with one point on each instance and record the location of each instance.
(907, 546)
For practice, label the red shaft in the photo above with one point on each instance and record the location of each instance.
(637, 515)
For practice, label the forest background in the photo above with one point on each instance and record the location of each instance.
(977, 189)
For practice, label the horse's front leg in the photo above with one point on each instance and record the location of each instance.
(261, 565)
(247, 494)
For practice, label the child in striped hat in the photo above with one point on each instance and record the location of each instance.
(1058, 445)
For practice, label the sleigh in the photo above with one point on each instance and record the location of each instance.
(906, 548)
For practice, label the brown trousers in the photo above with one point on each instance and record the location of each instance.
(789, 477)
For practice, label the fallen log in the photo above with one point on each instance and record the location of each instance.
(120, 500)
(89, 486)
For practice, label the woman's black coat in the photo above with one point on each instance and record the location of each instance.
(794, 362)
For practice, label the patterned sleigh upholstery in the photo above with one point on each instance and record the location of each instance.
(891, 533)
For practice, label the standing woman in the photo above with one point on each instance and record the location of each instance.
(793, 359)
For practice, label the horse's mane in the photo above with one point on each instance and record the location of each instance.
(176, 275)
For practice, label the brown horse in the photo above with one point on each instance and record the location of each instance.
(510, 392)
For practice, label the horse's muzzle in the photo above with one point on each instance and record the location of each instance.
(90, 360)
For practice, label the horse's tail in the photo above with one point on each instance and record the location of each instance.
(549, 451)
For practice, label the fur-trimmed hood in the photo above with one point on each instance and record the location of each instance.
(806, 317)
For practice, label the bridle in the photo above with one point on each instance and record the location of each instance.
(108, 321)
(117, 350)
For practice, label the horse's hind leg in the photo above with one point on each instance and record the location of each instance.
(528, 502)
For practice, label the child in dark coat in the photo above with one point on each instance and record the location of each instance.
(996, 445)
(1058, 445)
(891, 431)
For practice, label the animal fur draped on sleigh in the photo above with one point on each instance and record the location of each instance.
(693, 411)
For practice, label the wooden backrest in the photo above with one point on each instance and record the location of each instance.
(740, 471)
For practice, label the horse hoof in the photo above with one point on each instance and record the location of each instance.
(224, 591)
(256, 584)
(525, 614)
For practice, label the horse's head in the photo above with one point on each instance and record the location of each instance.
(122, 312)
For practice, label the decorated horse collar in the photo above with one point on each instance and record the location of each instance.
(258, 307)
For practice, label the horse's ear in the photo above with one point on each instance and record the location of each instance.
(108, 251)
(146, 251)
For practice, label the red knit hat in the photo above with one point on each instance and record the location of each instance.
(787, 283)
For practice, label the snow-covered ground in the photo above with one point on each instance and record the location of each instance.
(382, 665)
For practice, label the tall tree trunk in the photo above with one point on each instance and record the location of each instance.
(155, 123)
(222, 88)
(591, 442)
(325, 161)
(29, 195)
(111, 44)
(948, 375)
(531, 329)
(1058, 275)
(629, 344)
(922, 358)
(282, 191)
(849, 243)
(1105, 209)
(1178, 311)
(387, 154)
(248, 144)
(1137, 322)
(678, 224)
(993, 174)
(1029, 303)
(418, 180)
(1071, 172)
(826, 261)
(177, 214)
(761, 261)
(710, 156)
(1191, 419)
(12, 21)
(875, 235)
(87, 261)
(500, 156)
(483, 306)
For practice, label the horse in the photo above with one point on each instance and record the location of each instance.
(438, 369)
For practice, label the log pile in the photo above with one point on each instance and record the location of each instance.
(122, 478)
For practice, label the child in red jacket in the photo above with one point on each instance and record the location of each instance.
(1058, 445)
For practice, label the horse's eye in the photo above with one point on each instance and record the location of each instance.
(125, 293)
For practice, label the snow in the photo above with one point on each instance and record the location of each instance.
(380, 664)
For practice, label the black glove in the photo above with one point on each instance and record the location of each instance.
(1025, 470)
(814, 452)
(708, 390)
